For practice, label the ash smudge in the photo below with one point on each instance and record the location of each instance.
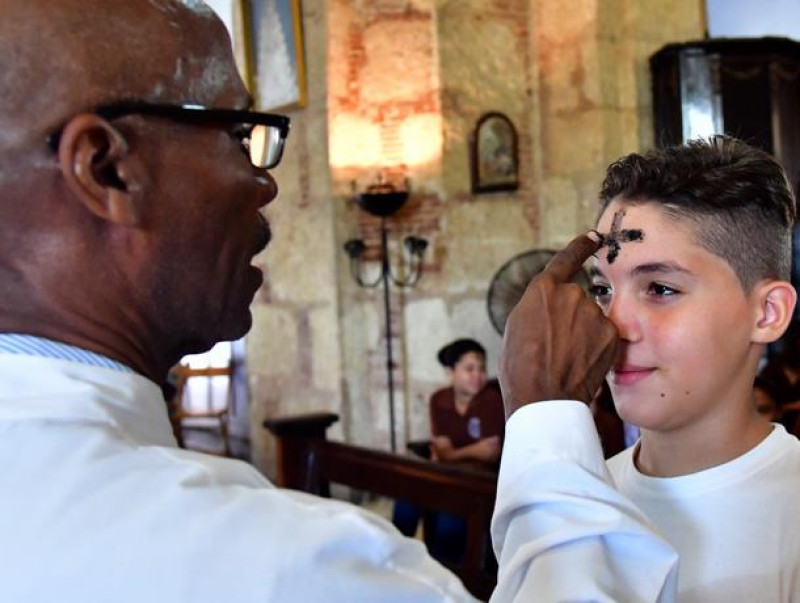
(614, 239)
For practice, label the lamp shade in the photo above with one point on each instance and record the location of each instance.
(382, 200)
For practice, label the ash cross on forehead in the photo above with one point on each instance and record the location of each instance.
(616, 236)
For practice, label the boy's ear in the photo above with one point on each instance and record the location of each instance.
(776, 302)
(99, 170)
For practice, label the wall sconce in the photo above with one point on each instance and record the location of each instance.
(383, 200)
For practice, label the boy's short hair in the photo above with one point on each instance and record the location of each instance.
(737, 196)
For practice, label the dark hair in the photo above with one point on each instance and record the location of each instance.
(450, 354)
(738, 197)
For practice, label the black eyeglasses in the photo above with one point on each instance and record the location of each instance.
(262, 135)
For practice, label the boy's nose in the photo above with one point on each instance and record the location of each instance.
(625, 318)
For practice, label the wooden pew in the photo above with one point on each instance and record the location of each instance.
(308, 461)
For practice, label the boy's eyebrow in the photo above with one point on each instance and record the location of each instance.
(659, 268)
(594, 271)
(649, 268)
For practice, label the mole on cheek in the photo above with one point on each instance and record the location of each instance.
(663, 395)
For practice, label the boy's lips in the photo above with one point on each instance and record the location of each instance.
(628, 374)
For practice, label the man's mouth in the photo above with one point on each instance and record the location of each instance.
(264, 235)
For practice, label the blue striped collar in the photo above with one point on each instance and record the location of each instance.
(29, 345)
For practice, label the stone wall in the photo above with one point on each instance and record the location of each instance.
(396, 87)
(294, 359)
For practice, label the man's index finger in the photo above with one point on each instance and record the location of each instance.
(566, 263)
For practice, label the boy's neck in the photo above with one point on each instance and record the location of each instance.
(699, 446)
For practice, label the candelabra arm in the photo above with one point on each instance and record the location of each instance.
(411, 278)
(355, 272)
(414, 273)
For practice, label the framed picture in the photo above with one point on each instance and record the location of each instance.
(493, 153)
(273, 36)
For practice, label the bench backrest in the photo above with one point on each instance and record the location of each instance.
(308, 461)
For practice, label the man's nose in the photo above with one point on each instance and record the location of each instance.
(267, 187)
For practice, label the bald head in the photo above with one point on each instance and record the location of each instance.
(106, 239)
(62, 56)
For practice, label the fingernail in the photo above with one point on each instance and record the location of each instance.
(595, 236)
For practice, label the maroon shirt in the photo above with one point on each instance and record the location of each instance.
(484, 417)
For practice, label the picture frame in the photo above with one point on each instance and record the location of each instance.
(272, 32)
(494, 154)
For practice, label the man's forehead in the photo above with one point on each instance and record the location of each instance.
(212, 80)
(172, 7)
(190, 54)
(205, 69)
(60, 58)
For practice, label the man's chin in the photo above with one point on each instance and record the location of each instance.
(240, 328)
(231, 331)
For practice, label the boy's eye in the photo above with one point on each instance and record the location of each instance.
(600, 292)
(659, 290)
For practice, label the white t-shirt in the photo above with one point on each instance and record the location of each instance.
(736, 526)
(98, 504)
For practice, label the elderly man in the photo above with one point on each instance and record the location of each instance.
(131, 179)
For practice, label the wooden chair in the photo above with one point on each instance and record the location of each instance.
(308, 461)
(182, 415)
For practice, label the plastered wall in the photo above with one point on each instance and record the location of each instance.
(396, 87)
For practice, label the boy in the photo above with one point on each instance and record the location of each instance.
(694, 275)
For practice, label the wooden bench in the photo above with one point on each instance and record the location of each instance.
(308, 461)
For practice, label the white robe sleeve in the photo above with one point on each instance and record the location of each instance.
(561, 531)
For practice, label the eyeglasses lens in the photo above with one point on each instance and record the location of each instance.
(266, 146)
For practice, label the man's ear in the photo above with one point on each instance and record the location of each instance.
(97, 167)
(776, 301)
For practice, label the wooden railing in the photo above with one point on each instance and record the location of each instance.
(308, 461)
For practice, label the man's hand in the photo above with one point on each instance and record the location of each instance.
(557, 344)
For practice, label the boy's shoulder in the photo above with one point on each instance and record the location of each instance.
(621, 463)
(776, 458)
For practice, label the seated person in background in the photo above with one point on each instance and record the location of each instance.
(467, 419)
(467, 423)
(694, 276)
(766, 399)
